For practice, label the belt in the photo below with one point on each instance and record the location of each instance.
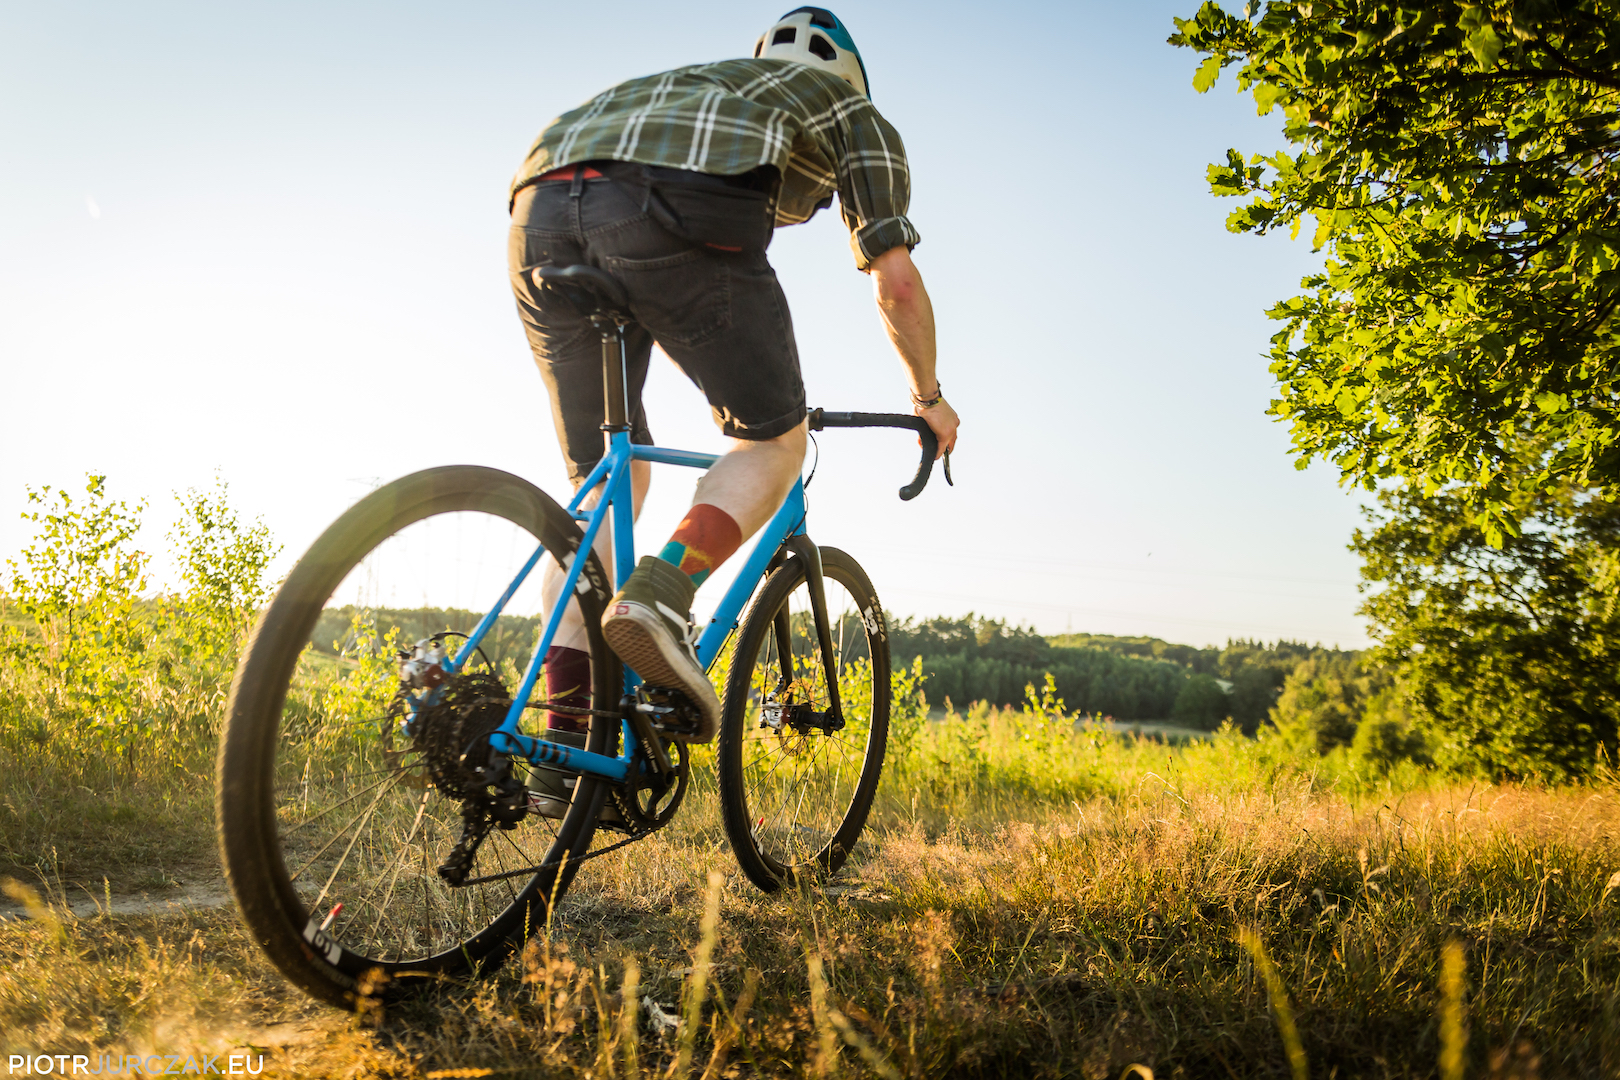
(567, 173)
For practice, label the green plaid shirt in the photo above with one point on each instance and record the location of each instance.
(732, 116)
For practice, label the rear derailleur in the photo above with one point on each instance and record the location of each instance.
(452, 735)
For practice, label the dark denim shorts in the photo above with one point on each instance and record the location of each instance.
(720, 315)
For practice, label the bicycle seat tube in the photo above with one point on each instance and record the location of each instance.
(615, 402)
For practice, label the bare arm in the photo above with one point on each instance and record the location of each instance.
(908, 315)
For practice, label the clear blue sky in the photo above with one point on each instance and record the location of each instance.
(269, 241)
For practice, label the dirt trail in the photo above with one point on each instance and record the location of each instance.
(84, 904)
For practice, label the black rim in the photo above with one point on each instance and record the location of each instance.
(353, 829)
(803, 787)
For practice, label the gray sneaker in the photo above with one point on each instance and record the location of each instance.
(550, 792)
(648, 625)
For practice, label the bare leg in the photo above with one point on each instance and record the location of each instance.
(571, 631)
(751, 481)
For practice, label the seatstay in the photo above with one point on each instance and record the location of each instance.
(620, 475)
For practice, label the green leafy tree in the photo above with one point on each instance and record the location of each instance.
(1199, 661)
(200, 627)
(1201, 703)
(1461, 165)
(1321, 701)
(94, 663)
(1509, 656)
(1387, 733)
(1257, 672)
(977, 659)
(222, 584)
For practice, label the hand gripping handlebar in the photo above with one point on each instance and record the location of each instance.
(821, 418)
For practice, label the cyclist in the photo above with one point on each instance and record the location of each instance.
(673, 183)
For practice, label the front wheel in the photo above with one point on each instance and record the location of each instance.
(795, 787)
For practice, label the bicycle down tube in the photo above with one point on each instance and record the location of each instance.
(612, 474)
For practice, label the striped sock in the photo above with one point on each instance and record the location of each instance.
(706, 537)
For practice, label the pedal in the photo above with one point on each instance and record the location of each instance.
(671, 713)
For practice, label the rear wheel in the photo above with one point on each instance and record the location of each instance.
(333, 818)
(795, 789)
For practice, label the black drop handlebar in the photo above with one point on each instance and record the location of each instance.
(821, 418)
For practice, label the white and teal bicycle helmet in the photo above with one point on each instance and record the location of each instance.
(814, 36)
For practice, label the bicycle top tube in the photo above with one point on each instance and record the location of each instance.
(788, 520)
(612, 474)
(662, 455)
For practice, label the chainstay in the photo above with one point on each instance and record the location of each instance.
(587, 857)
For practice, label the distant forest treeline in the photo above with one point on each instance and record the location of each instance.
(977, 659)
(1127, 678)
(511, 638)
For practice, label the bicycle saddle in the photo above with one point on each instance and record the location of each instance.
(592, 291)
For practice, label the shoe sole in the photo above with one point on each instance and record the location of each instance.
(638, 636)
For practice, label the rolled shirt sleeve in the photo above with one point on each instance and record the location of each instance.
(875, 237)
(874, 187)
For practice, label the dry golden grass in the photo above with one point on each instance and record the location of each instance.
(1071, 940)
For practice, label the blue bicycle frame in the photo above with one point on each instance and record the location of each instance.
(599, 297)
(612, 474)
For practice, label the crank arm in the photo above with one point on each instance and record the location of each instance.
(651, 744)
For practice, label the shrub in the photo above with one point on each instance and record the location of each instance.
(1387, 734)
(101, 671)
(1319, 705)
(1509, 653)
(80, 585)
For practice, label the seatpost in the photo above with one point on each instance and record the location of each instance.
(615, 404)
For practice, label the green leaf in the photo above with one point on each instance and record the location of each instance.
(1482, 39)
(1459, 294)
(1485, 46)
(1266, 96)
(1207, 73)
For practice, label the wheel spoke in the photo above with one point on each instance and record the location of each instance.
(335, 837)
(399, 861)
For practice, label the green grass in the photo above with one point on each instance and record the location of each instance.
(1020, 907)
(1030, 899)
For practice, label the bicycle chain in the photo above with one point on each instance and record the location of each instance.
(587, 857)
(622, 799)
(640, 824)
